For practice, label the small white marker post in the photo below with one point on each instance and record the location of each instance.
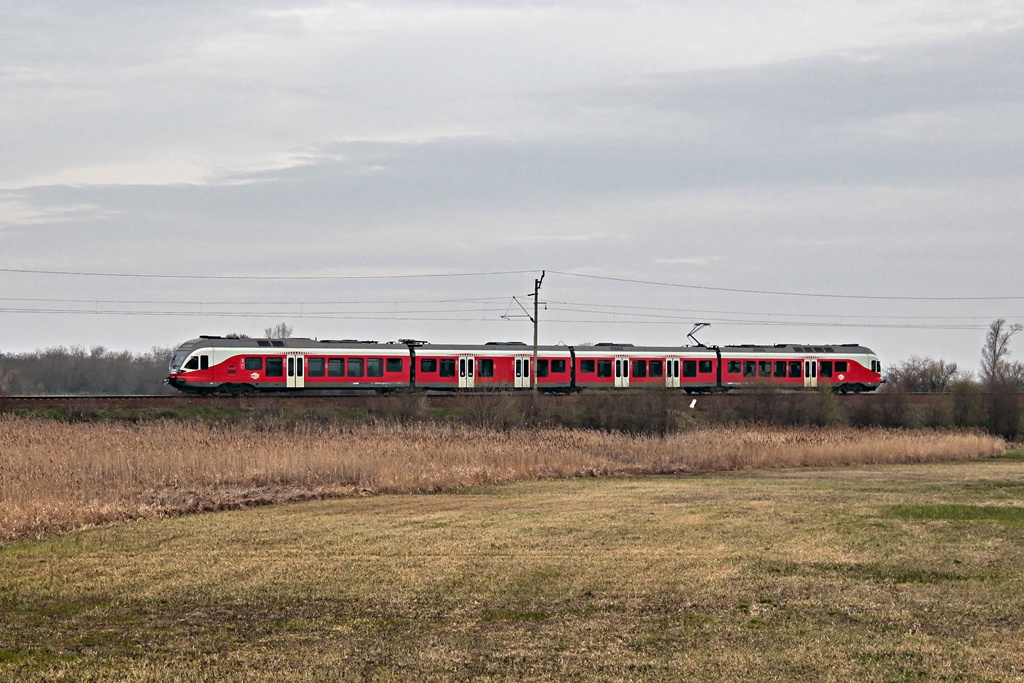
(693, 403)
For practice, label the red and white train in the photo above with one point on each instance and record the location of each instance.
(241, 365)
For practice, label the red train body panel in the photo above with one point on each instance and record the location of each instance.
(237, 365)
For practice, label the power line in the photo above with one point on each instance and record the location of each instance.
(654, 283)
(262, 277)
(783, 293)
(421, 316)
(614, 308)
(564, 306)
(262, 302)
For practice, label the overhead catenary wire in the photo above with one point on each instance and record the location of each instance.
(182, 276)
(816, 295)
(473, 308)
(422, 316)
(564, 306)
(609, 278)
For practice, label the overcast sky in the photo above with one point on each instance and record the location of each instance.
(810, 172)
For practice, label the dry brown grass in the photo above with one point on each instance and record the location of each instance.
(57, 476)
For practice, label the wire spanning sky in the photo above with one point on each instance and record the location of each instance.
(790, 172)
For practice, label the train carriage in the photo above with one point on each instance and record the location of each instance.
(609, 365)
(492, 366)
(212, 364)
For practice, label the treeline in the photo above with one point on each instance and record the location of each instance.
(61, 370)
(991, 399)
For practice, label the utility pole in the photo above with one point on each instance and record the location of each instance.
(536, 311)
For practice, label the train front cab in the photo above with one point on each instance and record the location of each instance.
(190, 368)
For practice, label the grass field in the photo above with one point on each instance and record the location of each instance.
(868, 573)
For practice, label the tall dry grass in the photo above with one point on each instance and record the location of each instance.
(56, 476)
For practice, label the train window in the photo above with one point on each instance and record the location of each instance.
(253, 363)
(841, 366)
(193, 363)
(764, 368)
(780, 368)
(706, 366)
(374, 367)
(604, 368)
(275, 367)
(639, 368)
(558, 365)
(204, 362)
(749, 368)
(395, 365)
(689, 368)
(355, 367)
(486, 368)
(315, 367)
(291, 367)
(734, 366)
(262, 343)
(447, 366)
(335, 367)
(587, 366)
(825, 368)
(542, 367)
(428, 365)
(794, 368)
(655, 367)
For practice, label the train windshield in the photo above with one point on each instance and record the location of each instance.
(179, 358)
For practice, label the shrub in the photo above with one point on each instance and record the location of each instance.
(1002, 403)
(968, 410)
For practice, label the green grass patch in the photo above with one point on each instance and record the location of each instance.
(999, 514)
(1016, 454)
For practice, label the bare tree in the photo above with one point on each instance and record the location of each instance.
(923, 375)
(995, 368)
(278, 331)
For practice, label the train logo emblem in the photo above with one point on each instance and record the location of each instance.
(255, 375)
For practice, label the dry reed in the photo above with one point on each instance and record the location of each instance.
(56, 476)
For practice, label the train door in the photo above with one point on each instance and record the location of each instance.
(467, 370)
(622, 371)
(522, 380)
(296, 371)
(810, 372)
(672, 373)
